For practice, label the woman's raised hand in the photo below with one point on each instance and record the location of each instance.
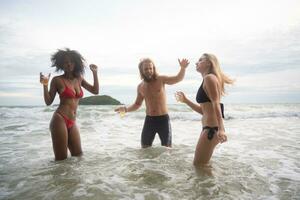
(180, 96)
(93, 67)
(44, 79)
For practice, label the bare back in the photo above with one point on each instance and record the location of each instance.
(155, 97)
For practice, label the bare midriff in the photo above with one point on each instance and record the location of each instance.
(68, 107)
(209, 117)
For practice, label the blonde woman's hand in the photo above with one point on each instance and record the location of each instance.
(222, 137)
(93, 68)
(180, 96)
(44, 79)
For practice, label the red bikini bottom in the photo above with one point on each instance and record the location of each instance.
(69, 123)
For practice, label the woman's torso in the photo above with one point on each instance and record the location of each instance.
(70, 92)
(209, 117)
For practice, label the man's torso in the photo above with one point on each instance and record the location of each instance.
(155, 97)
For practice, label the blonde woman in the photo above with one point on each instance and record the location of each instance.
(208, 104)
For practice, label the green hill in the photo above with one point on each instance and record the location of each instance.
(99, 100)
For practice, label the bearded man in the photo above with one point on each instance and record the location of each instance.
(152, 90)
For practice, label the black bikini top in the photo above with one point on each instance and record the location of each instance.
(202, 98)
(201, 95)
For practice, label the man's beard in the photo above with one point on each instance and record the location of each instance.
(148, 79)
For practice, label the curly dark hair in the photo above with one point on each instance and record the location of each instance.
(57, 60)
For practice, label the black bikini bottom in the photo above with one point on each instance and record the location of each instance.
(211, 131)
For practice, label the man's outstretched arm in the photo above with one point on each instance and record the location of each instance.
(170, 80)
(136, 105)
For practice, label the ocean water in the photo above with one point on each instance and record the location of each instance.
(259, 161)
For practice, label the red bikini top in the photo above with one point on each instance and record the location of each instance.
(69, 93)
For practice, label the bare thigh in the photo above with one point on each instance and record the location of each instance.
(204, 148)
(59, 134)
(74, 142)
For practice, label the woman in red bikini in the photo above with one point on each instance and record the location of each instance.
(64, 132)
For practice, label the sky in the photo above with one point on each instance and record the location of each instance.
(257, 43)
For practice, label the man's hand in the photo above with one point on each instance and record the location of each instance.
(121, 109)
(183, 63)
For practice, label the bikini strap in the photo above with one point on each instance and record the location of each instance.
(64, 82)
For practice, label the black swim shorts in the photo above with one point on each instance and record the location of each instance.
(157, 124)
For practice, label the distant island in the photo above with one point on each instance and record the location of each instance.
(99, 100)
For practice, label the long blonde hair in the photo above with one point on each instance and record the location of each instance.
(216, 70)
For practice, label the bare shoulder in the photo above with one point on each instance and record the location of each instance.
(210, 79)
(140, 86)
(55, 82)
(59, 77)
(210, 82)
(56, 79)
(80, 78)
(161, 77)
